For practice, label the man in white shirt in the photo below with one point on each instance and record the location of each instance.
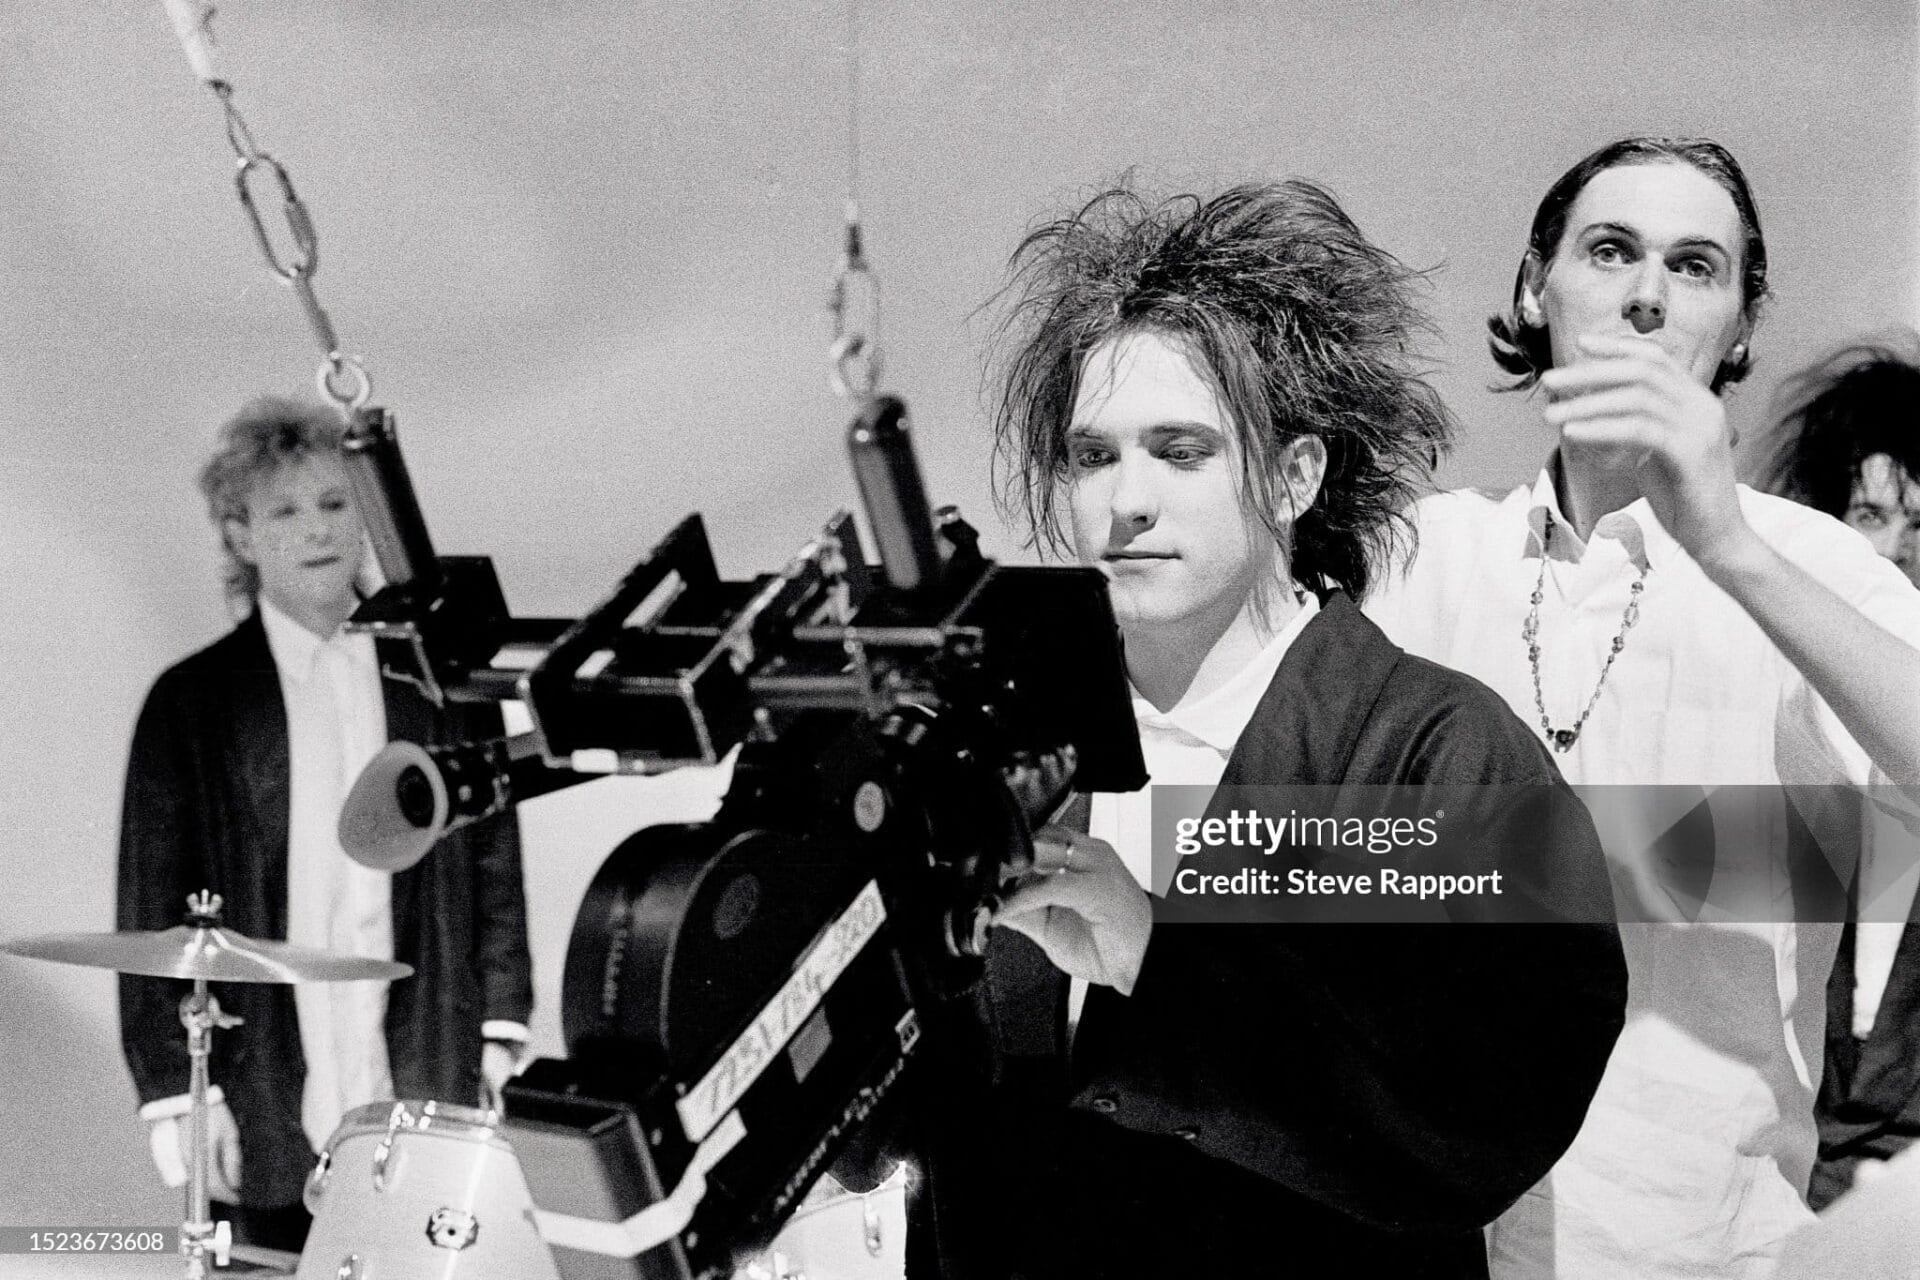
(1662, 625)
(241, 759)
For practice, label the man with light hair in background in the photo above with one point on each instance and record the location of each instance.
(242, 756)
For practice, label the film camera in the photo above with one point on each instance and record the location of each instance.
(739, 995)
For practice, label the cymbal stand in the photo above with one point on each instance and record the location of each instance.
(200, 1013)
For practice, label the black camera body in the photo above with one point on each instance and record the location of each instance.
(768, 970)
(740, 995)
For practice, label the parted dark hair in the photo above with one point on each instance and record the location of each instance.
(1524, 350)
(264, 436)
(1841, 410)
(1302, 326)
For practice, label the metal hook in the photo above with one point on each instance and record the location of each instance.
(856, 366)
(854, 352)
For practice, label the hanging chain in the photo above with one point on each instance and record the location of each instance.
(853, 355)
(342, 378)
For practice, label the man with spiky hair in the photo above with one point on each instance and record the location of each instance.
(1849, 444)
(1211, 400)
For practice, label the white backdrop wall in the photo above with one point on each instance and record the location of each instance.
(584, 246)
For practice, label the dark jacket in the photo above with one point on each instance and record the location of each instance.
(1869, 1105)
(1363, 1097)
(208, 789)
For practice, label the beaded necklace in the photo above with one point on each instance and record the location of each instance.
(1563, 739)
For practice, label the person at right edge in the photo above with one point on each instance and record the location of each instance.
(1849, 445)
(1213, 401)
(1682, 641)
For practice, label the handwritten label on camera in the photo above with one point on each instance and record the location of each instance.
(747, 1058)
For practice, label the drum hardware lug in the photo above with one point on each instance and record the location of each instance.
(349, 1268)
(399, 1118)
(873, 1236)
(317, 1180)
(452, 1228)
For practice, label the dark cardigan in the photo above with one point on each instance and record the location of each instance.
(1274, 1096)
(208, 789)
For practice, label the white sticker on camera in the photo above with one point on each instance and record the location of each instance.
(704, 1105)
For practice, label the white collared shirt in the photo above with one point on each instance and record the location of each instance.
(1696, 1151)
(336, 723)
(1186, 746)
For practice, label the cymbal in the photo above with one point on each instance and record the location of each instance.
(204, 951)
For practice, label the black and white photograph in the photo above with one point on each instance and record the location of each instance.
(966, 641)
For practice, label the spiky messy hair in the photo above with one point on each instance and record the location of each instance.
(1300, 324)
(1843, 409)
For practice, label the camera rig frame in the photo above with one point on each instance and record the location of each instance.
(741, 994)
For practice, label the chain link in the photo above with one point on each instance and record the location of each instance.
(854, 352)
(342, 378)
(306, 245)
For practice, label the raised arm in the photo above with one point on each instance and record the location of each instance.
(1628, 402)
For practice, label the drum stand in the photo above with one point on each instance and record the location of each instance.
(202, 951)
(199, 1235)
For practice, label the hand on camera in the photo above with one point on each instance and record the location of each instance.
(1083, 908)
